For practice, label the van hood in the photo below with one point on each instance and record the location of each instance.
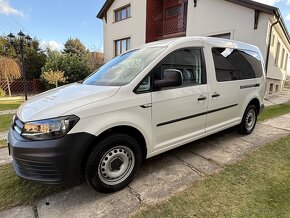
(59, 101)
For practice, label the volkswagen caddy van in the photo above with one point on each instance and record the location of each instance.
(142, 103)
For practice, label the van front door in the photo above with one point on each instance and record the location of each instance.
(179, 113)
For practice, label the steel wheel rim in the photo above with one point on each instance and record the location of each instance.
(116, 165)
(250, 119)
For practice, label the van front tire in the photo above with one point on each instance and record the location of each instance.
(113, 163)
(249, 120)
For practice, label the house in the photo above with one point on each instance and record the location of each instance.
(128, 24)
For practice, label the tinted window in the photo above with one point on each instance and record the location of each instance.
(233, 64)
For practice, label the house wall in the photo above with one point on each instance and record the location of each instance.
(277, 74)
(212, 17)
(133, 27)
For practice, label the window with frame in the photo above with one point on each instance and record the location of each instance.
(222, 36)
(188, 61)
(174, 11)
(273, 40)
(282, 58)
(121, 46)
(233, 64)
(123, 13)
(277, 53)
(286, 62)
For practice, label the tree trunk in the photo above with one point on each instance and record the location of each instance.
(8, 86)
(56, 83)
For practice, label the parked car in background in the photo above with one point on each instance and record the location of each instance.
(140, 104)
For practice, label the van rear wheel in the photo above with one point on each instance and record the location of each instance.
(113, 163)
(249, 120)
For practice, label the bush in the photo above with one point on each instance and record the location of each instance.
(2, 93)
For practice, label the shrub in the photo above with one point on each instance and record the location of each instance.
(2, 93)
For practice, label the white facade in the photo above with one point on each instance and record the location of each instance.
(133, 27)
(209, 17)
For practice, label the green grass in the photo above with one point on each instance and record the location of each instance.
(258, 186)
(5, 122)
(9, 105)
(15, 191)
(274, 111)
(3, 143)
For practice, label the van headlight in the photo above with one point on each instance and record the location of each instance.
(49, 129)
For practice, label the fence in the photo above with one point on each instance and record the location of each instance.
(17, 87)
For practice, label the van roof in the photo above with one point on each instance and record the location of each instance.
(210, 40)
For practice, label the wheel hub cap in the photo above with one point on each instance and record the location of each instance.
(250, 119)
(116, 165)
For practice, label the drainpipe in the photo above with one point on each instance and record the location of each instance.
(269, 44)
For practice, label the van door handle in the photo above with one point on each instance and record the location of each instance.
(215, 95)
(146, 105)
(201, 98)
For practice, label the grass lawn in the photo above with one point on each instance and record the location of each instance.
(5, 122)
(3, 143)
(9, 105)
(258, 186)
(274, 111)
(15, 191)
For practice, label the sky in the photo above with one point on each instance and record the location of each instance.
(54, 21)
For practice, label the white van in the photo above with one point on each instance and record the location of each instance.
(140, 104)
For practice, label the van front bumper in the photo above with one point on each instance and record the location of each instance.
(56, 161)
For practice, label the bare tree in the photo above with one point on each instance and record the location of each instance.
(9, 70)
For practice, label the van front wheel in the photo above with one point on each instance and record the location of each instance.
(113, 163)
(249, 120)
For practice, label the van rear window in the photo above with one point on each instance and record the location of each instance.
(234, 64)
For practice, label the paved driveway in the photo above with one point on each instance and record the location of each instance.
(160, 176)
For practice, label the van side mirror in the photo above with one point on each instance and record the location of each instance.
(171, 78)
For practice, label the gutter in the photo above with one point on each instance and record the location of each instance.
(269, 43)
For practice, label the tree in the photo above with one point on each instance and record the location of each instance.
(54, 77)
(74, 67)
(9, 69)
(76, 47)
(35, 58)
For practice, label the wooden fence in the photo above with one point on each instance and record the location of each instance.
(17, 86)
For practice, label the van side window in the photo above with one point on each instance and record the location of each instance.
(189, 61)
(234, 64)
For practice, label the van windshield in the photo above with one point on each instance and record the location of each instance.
(124, 68)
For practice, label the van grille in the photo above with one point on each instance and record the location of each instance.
(37, 170)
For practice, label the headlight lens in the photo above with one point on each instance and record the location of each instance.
(50, 128)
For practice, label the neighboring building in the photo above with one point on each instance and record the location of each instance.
(129, 23)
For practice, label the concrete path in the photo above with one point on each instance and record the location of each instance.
(8, 112)
(162, 176)
(4, 156)
(277, 98)
(3, 135)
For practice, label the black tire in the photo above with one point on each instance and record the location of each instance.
(118, 151)
(249, 120)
